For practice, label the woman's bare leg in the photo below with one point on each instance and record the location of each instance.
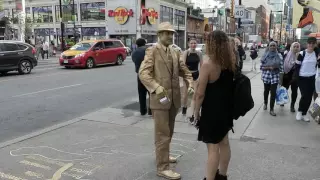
(184, 95)
(213, 161)
(191, 111)
(225, 155)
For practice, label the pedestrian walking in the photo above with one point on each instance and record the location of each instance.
(215, 98)
(39, 49)
(45, 48)
(253, 56)
(241, 52)
(271, 67)
(290, 58)
(306, 69)
(159, 72)
(193, 60)
(137, 58)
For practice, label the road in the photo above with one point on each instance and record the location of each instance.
(52, 94)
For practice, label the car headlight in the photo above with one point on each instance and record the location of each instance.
(79, 55)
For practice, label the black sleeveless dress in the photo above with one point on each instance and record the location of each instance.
(192, 63)
(216, 120)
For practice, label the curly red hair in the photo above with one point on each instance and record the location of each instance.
(220, 49)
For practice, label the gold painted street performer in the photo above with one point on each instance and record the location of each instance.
(159, 72)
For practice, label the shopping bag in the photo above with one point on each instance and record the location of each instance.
(314, 110)
(282, 96)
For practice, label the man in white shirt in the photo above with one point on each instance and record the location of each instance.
(307, 66)
(45, 47)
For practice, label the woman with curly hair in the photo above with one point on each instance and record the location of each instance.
(215, 97)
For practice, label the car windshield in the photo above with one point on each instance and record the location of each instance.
(82, 46)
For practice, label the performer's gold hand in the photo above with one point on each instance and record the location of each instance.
(190, 90)
(160, 90)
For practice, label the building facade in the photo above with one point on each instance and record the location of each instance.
(175, 12)
(261, 17)
(195, 27)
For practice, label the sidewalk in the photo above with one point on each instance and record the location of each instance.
(117, 144)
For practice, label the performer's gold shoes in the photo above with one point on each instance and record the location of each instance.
(172, 159)
(169, 174)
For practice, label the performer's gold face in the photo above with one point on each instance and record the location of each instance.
(166, 37)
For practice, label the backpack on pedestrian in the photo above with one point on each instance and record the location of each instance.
(243, 101)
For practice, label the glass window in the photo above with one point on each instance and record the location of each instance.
(99, 45)
(22, 47)
(28, 15)
(180, 17)
(166, 14)
(9, 47)
(66, 13)
(82, 46)
(92, 11)
(117, 44)
(42, 14)
(108, 44)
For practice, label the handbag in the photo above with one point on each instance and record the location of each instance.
(282, 96)
(314, 110)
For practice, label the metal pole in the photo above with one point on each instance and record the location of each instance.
(74, 22)
(239, 20)
(281, 28)
(61, 27)
(270, 24)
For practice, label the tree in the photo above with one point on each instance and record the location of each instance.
(25, 30)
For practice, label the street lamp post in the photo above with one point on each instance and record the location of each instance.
(61, 26)
(270, 24)
(74, 21)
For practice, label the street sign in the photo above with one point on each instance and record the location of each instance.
(239, 11)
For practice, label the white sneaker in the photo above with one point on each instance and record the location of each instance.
(299, 116)
(305, 118)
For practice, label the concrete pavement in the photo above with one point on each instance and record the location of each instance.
(116, 143)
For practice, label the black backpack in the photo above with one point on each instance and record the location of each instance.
(243, 101)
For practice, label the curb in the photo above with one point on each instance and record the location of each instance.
(38, 133)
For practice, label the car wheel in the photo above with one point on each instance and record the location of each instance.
(119, 60)
(4, 73)
(90, 63)
(25, 67)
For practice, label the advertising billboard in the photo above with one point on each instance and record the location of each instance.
(121, 17)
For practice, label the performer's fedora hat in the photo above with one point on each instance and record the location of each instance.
(165, 26)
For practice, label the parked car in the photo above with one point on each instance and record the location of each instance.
(174, 46)
(17, 56)
(88, 54)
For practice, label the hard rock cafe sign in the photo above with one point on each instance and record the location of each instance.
(121, 15)
(150, 15)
